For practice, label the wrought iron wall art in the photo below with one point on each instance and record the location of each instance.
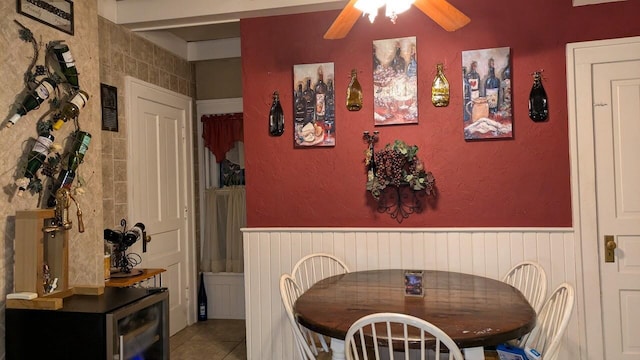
(396, 178)
(400, 202)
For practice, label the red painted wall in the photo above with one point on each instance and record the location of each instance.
(524, 181)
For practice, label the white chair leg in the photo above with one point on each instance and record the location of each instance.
(323, 342)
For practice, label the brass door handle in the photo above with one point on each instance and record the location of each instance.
(609, 247)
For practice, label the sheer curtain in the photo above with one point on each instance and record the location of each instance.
(226, 212)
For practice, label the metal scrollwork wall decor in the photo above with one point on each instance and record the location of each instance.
(396, 178)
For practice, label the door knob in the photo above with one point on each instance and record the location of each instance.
(609, 247)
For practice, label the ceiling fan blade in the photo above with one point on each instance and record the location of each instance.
(344, 22)
(443, 13)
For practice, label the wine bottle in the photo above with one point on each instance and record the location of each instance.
(491, 87)
(33, 99)
(474, 80)
(202, 300)
(310, 105)
(331, 103)
(412, 68)
(376, 61)
(321, 97)
(299, 106)
(67, 64)
(538, 103)
(440, 88)
(354, 93)
(505, 89)
(76, 156)
(37, 156)
(466, 93)
(398, 63)
(80, 147)
(276, 116)
(71, 109)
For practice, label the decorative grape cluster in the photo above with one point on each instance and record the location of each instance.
(397, 165)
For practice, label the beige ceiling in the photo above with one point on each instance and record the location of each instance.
(207, 32)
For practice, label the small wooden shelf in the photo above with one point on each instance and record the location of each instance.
(132, 280)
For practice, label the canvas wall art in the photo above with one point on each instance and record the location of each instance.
(314, 105)
(395, 81)
(486, 84)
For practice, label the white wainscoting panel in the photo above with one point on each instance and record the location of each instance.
(270, 252)
(225, 295)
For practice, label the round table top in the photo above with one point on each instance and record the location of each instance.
(473, 310)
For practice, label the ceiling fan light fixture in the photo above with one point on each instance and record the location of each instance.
(396, 7)
(369, 7)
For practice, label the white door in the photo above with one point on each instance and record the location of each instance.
(617, 147)
(160, 195)
(604, 80)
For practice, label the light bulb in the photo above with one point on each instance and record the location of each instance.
(369, 7)
(396, 7)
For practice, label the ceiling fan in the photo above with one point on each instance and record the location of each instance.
(440, 11)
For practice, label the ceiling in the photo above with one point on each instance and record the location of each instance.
(202, 20)
(224, 25)
(207, 32)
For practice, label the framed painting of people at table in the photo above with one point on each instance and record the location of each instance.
(314, 114)
(395, 81)
(486, 90)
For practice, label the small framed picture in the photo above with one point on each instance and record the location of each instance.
(413, 283)
(109, 104)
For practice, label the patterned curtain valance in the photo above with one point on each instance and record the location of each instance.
(220, 132)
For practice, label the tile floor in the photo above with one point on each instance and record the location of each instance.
(210, 340)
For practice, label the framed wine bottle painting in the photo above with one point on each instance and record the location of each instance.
(395, 81)
(314, 105)
(486, 84)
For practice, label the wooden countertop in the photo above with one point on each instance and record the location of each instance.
(131, 280)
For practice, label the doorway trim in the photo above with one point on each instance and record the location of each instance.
(190, 213)
(580, 58)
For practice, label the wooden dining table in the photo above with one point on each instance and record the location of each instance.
(474, 311)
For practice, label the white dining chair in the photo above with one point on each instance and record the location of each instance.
(375, 332)
(313, 268)
(289, 293)
(551, 323)
(530, 278)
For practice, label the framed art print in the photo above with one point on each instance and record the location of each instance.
(413, 283)
(395, 81)
(314, 105)
(486, 84)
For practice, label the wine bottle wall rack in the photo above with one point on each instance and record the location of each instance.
(54, 83)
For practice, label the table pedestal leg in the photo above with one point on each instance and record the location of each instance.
(476, 353)
(337, 349)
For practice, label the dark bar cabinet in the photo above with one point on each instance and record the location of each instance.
(121, 324)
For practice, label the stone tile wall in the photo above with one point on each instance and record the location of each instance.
(123, 53)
